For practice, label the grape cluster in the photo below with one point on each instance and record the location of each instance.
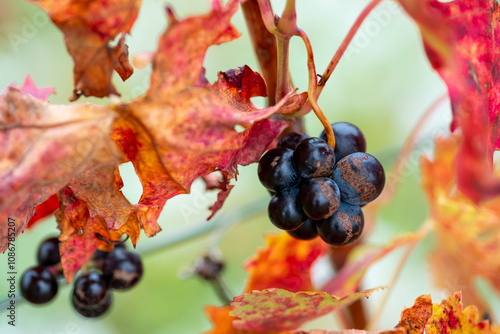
(115, 270)
(317, 190)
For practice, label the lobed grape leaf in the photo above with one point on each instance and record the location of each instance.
(182, 129)
(461, 39)
(280, 310)
(89, 27)
(460, 225)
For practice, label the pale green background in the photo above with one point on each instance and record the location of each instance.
(384, 84)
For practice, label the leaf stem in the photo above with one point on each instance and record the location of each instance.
(311, 90)
(283, 83)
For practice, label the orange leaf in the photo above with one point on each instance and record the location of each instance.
(413, 319)
(284, 263)
(88, 27)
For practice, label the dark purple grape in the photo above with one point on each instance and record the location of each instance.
(92, 311)
(90, 289)
(284, 210)
(306, 231)
(348, 139)
(122, 269)
(319, 197)
(314, 157)
(276, 169)
(344, 227)
(48, 252)
(38, 285)
(292, 139)
(360, 177)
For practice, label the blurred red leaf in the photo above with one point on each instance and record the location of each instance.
(462, 42)
(280, 310)
(460, 225)
(30, 88)
(89, 26)
(284, 263)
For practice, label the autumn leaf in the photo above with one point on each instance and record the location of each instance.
(44, 147)
(352, 331)
(44, 210)
(177, 132)
(284, 263)
(449, 317)
(413, 319)
(30, 88)
(461, 39)
(467, 235)
(280, 310)
(89, 27)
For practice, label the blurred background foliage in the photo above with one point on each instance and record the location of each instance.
(383, 84)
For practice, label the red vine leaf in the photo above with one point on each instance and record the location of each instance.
(284, 263)
(460, 224)
(449, 317)
(89, 27)
(277, 309)
(30, 88)
(44, 146)
(413, 319)
(462, 42)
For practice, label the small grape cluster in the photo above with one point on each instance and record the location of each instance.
(318, 190)
(91, 297)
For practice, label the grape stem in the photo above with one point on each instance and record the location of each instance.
(311, 90)
(232, 217)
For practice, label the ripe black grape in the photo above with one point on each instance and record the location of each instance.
(306, 231)
(314, 157)
(292, 139)
(122, 269)
(38, 285)
(319, 197)
(344, 227)
(348, 139)
(277, 170)
(90, 290)
(284, 210)
(360, 177)
(48, 252)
